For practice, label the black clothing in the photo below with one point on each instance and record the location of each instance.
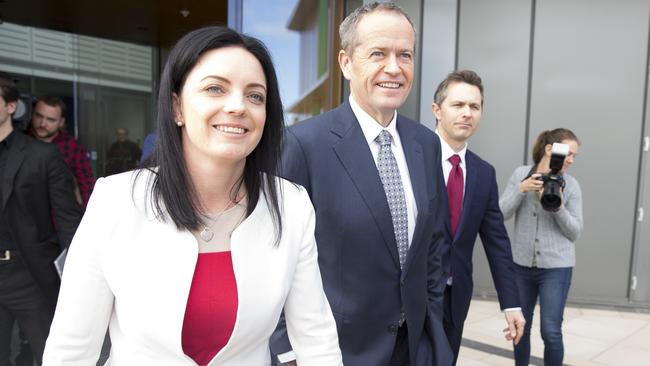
(39, 211)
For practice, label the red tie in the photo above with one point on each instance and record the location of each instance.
(455, 192)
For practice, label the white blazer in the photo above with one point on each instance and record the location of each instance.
(132, 272)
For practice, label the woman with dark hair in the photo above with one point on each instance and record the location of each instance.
(543, 246)
(192, 259)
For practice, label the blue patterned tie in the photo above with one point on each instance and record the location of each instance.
(392, 181)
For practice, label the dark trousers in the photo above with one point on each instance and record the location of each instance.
(25, 357)
(454, 332)
(400, 355)
(23, 301)
(551, 285)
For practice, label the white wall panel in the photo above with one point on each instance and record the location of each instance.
(588, 75)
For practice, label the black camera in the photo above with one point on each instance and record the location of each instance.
(551, 199)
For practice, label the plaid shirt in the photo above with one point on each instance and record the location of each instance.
(76, 157)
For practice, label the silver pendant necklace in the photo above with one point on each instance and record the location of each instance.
(207, 233)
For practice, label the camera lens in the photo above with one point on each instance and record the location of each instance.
(551, 196)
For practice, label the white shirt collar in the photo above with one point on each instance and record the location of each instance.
(446, 150)
(369, 126)
(371, 129)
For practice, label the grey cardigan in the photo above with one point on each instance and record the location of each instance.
(543, 238)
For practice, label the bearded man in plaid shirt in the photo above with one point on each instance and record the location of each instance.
(47, 125)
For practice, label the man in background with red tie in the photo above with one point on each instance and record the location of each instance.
(473, 202)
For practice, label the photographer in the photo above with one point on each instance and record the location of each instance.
(543, 242)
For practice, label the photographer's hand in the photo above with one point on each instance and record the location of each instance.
(532, 184)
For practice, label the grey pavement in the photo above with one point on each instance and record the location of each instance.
(591, 337)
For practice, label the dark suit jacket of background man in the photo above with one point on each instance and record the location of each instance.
(357, 252)
(480, 215)
(37, 185)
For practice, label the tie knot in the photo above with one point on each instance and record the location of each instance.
(384, 138)
(454, 160)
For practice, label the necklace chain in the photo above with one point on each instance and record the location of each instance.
(207, 233)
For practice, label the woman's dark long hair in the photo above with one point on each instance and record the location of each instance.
(172, 191)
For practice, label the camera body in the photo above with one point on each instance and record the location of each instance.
(551, 198)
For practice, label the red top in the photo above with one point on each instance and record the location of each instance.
(211, 307)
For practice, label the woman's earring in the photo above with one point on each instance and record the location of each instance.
(179, 123)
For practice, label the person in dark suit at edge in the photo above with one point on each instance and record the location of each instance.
(375, 180)
(473, 201)
(38, 217)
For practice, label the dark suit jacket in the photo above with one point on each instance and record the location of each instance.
(36, 185)
(357, 251)
(480, 215)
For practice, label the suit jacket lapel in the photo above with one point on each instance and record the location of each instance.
(15, 157)
(447, 219)
(415, 161)
(355, 156)
(470, 186)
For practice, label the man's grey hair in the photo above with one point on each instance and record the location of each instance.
(348, 28)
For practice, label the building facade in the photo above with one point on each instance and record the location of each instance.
(578, 64)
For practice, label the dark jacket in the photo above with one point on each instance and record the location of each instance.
(40, 206)
(357, 252)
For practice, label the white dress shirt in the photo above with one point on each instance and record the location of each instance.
(371, 130)
(447, 152)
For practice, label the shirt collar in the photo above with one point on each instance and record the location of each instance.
(369, 126)
(446, 150)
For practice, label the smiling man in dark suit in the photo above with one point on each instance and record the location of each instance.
(473, 201)
(375, 181)
(36, 191)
